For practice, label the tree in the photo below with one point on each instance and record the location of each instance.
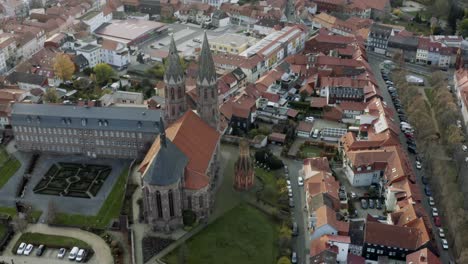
(63, 67)
(51, 96)
(284, 260)
(19, 223)
(182, 257)
(103, 73)
(51, 212)
(463, 28)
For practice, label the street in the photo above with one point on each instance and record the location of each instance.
(374, 61)
(301, 241)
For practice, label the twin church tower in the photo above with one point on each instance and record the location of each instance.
(206, 85)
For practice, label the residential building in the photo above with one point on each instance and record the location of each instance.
(422, 51)
(114, 132)
(407, 46)
(396, 242)
(378, 38)
(220, 19)
(434, 53)
(422, 256)
(92, 53)
(115, 53)
(304, 129)
(94, 19)
(323, 221)
(240, 111)
(27, 81)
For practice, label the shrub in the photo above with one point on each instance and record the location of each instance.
(189, 217)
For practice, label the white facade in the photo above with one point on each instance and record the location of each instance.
(118, 58)
(95, 19)
(30, 48)
(92, 54)
(421, 55)
(224, 22)
(363, 176)
(343, 249)
(444, 60)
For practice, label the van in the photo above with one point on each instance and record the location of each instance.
(73, 253)
(316, 133)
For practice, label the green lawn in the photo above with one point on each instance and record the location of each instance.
(11, 211)
(270, 192)
(3, 155)
(8, 169)
(310, 151)
(109, 210)
(243, 235)
(3, 230)
(50, 241)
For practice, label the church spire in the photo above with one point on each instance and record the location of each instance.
(206, 67)
(174, 71)
(162, 133)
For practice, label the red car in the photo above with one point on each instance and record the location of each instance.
(437, 221)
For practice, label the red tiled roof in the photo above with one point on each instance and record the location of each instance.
(305, 126)
(422, 256)
(327, 216)
(318, 102)
(391, 235)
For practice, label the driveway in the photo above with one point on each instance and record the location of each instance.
(102, 253)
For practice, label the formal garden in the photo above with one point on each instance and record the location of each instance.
(74, 180)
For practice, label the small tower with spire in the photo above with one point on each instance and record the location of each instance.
(244, 168)
(174, 92)
(207, 87)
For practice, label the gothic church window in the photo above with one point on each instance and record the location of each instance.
(171, 203)
(159, 204)
(200, 201)
(172, 93)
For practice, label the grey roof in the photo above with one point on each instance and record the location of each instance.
(206, 67)
(174, 68)
(23, 77)
(134, 119)
(80, 60)
(167, 167)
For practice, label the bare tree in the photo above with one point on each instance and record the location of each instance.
(51, 212)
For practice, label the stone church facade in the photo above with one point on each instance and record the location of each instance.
(179, 169)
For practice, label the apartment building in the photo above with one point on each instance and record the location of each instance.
(113, 132)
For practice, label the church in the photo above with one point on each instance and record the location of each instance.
(179, 170)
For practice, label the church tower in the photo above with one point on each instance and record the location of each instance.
(174, 92)
(207, 87)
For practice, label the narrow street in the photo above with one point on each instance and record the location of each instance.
(374, 61)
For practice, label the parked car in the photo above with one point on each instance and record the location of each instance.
(412, 150)
(441, 232)
(364, 204)
(294, 257)
(430, 200)
(288, 182)
(291, 202)
(424, 180)
(28, 249)
(437, 221)
(378, 204)
(371, 204)
(353, 195)
(418, 165)
(295, 231)
(435, 212)
(290, 194)
(464, 148)
(21, 248)
(427, 190)
(40, 250)
(445, 244)
(81, 255)
(300, 181)
(61, 253)
(73, 253)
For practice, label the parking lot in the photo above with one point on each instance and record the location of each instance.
(48, 257)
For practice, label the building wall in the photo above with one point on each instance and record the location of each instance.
(198, 201)
(361, 178)
(157, 208)
(94, 56)
(372, 252)
(89, 142)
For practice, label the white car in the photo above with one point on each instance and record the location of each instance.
(418, 165)
(21, 248)
(288, 182)
(445, 244)
(459, 124)
(28, 249)
(435, 212)
(431, 201)
(61, 253)
(464, 148)
(441, 232)
(290, 193)
(300, 181)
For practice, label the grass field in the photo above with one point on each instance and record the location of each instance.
(109, 210)
(243, 235)
(270, 191)
(50, 241)
(8, 169)
(311, 151)
(11, 211)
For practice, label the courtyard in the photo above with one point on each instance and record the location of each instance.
(73, 179)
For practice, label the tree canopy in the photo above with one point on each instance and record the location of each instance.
(103, 73)
(63, 67)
